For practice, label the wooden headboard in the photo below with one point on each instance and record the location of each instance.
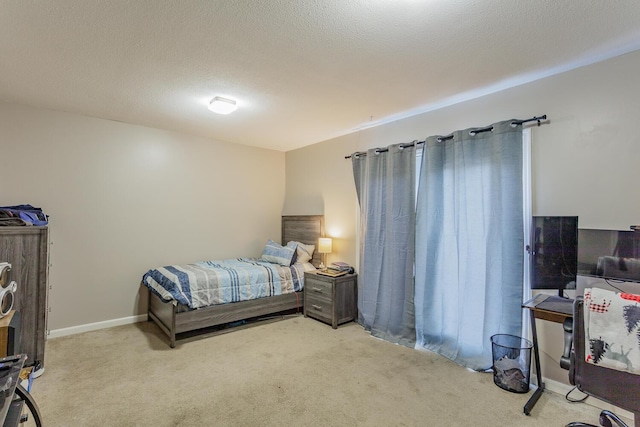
(304, 229)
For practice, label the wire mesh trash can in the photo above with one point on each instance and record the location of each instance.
(511, 362)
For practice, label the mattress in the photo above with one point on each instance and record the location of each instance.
(207, 283)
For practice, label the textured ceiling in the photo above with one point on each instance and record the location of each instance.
(302, 71)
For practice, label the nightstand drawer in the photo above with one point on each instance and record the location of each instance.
(319, 309)
(318, 298)
(318, 288)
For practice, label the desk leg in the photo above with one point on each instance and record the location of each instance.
(536, 395)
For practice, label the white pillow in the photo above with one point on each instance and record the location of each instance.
(304, 253)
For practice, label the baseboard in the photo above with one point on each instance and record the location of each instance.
(563, 389)
(56, 333)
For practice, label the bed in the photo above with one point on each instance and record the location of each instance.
(177, 317)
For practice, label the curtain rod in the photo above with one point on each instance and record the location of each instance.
(448, 137)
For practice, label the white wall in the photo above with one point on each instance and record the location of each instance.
(585, 162)
(123, 199)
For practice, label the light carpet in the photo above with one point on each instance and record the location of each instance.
(296, 371)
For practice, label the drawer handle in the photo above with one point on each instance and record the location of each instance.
(317, 307)
(318, 290)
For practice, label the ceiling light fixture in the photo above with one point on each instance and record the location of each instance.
(222, 105)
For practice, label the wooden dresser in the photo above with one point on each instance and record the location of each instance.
(331, 300)
(26, 249)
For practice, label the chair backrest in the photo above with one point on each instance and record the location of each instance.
(619, 388)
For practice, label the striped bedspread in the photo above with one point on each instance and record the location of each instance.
(218, 282)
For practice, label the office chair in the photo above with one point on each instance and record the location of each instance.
(619, 388)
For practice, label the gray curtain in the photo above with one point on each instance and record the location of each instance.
(469, 244)
(385, 184)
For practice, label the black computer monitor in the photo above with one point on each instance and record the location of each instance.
(554, 252)
(609, 254)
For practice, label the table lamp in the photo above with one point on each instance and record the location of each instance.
(324, 247)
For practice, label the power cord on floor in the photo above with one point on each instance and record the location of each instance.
(570, 400)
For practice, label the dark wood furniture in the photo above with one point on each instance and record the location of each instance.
(331, 300)
(175, 320)
(552, 309)
(26, 249)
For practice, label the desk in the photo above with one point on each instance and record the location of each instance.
(554, 309)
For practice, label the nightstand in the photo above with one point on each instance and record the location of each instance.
(331, 300)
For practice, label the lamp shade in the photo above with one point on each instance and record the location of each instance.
(324, 245)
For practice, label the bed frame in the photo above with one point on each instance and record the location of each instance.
(176, 320)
